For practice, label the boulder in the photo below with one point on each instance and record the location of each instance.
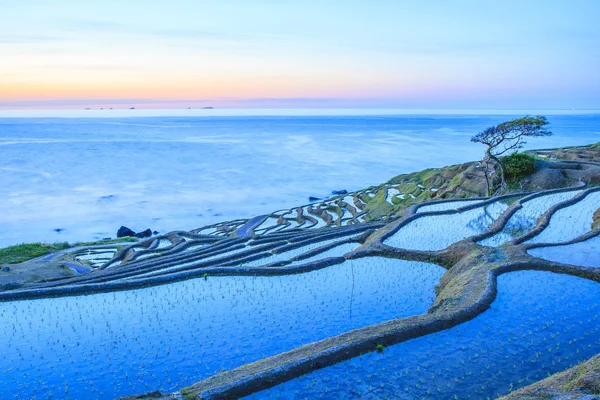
(339, 192)
(144, 234)
(312, 198)
(125, 231)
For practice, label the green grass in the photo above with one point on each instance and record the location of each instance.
(24, 252)
(126, 239)
(27, 251)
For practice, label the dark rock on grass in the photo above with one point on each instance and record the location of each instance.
(125, 231)
(144, 234)
(547, 179)
(339, 192)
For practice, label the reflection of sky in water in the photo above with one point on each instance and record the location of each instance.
(586, 254)
(182, 173)
(166, 337)
(570, 222)
(540, 323)
(451, 205)
(526, 218)
(436, 232)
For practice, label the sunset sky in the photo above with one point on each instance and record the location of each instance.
(542, 54)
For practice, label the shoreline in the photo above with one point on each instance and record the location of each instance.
(134, 191)
(368, 218)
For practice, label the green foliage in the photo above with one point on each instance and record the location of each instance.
(510, 135)
(379, 348)
(126, 239)
(27, 251)
(188, 394)
(24, 252)
(519, 165)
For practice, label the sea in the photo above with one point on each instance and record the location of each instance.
(78, 175)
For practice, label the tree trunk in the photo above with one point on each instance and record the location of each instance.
(485, 162)
(501, 165)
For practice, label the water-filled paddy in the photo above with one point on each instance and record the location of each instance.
(570, 222)
(526, 218)
(287, 255)
(585, 254)
(337, 251)
(540, 323)
(436, 232)
(448, 205)
(167, 337)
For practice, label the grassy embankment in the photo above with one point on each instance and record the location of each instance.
(26, 251)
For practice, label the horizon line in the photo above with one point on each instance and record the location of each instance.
(288, 111)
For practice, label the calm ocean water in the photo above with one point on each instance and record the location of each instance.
(81, 178)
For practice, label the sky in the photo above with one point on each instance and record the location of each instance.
(461, 54)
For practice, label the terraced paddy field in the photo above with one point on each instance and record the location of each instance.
(373, 294)
(534, 328)
(158, 334)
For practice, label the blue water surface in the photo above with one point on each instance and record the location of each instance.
(85, 177)
(540, 323)
(167, 337)
(586, 254)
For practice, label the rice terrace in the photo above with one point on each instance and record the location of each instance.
(476, 280)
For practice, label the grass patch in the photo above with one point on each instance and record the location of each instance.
(126, 239)
(26, 251)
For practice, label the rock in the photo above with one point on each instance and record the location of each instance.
(6, 268)
(107, 198)
(125, 231)
(155, 232)
(143, 234)
(312, 198)
(58, 230)
(339, 192)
